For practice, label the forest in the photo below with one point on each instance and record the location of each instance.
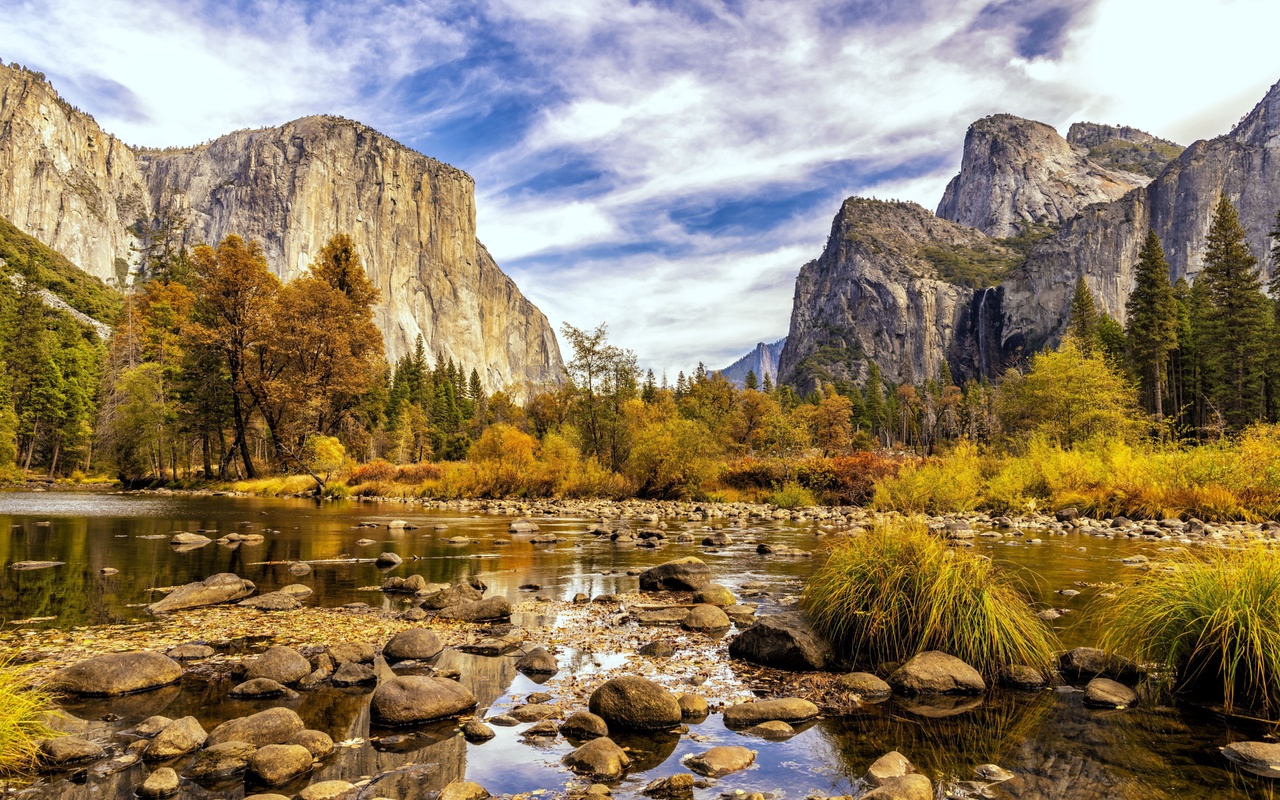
(219, 372)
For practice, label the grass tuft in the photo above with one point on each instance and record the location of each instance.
(897, 591)
(1210, 618)
(23, 710)
(792, 495)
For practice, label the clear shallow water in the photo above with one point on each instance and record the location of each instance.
(1057, 747)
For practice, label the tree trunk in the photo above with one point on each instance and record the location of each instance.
(245, 455)
(53, 463)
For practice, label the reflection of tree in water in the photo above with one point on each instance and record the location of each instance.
(1058, 748)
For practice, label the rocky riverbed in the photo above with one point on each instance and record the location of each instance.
(697, 629)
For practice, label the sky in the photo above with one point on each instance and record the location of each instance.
(663, 167)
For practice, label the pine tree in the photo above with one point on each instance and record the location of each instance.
(1082, 325)
(1236, 320)
(874, 391)
(1182, 358)
(750, 382)
(767, 386)
(650, 391)
(1153, 322)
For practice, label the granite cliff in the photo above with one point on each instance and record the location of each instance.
(763, 360)
(982, 303)
(85, 193)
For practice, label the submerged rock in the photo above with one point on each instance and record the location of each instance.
(720, 761)
(786, 709)
(1107, 693)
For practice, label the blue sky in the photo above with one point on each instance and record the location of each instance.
(665, 167)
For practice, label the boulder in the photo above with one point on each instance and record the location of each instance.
(658, 648)
(275, 764)
(317, 742)
(706, 617)
(65, 750)
(273, 726)
(329, 790)
(415, 699)
(786, 709)
(782, 641)
(259, 689)
(1083, 664)
(225, 587)
(164, 782)
(682, 575)
(463, 790)
(387, 560)
(1106, 693)
(182, 736)
(353, 674)
(1020, 676)
(720, 761)
(887, 767)
(452, 596)
(693, 707)
(190, 652)
(493, 608)
(354, 652)
(600, 759)
(909, 787)
(935, 672)
(717, 539)
(220, 761)
(715, 595)
(864, 684)
(150, 726)
(533, 712)
(273, 601)
(117, 673)
(674, 787)
(774, 729)
(633, 703)
(281, 664)
(538, 662)
(185, 539)
(584, 725)
(473, 730)
(522, 526)
(414, 644)
(1263, 757)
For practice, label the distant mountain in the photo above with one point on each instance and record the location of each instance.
(762, 361)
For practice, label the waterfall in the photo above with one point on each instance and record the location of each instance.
(982, 334)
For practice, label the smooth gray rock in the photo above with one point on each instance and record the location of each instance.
(633, 703)
(117, 673)
(935, 672)
(415, 699)
(225, 587)
(782, 641)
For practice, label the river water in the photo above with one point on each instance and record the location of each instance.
(1055, 746)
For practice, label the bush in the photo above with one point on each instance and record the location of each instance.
(792, 495)
(1211, 620)
(945, 484)
(372, 472)
(754, 473)
(845, 480)
(897, 591)
(22, 714)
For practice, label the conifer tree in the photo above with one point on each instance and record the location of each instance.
(767, 386)
(1237, 322)
(874, 391)
(750, 382)
(1152, 323)
(1182, 358)
(1082, 325)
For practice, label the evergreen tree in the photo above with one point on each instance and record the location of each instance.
(1112, 344)
(1182, 357)
(1152, 313)
(874, 391)
(650, 391)
(1082, 325)
(1237, 321)
(768, 384)
(751, 382)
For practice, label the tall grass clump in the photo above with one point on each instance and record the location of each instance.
(897, 591)
(950, 483)
(22, 720)
(1211, 620)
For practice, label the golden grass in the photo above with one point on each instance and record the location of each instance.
(23, 710)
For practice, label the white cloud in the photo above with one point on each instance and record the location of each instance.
(675, 108)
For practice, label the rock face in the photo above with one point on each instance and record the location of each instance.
(762, 361)
(79, 190)
(886, 289)
(875, 294)
(1017, 173)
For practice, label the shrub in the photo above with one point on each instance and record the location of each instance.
(949, 483)
(1211, 620)
(897, 591)
(417, 473)
(671, 458)
(22, 720)
(792, 495)
(754, 473)
(372, 472)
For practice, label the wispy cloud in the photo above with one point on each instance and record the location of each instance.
(663, 166)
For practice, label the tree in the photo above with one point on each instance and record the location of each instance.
(1152, 317)
(603, 378)
(1236, 321)
(833, 427)
(750, 381)
(767, 386)
(1082, 325)
(236, 296)
(1067, 396)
